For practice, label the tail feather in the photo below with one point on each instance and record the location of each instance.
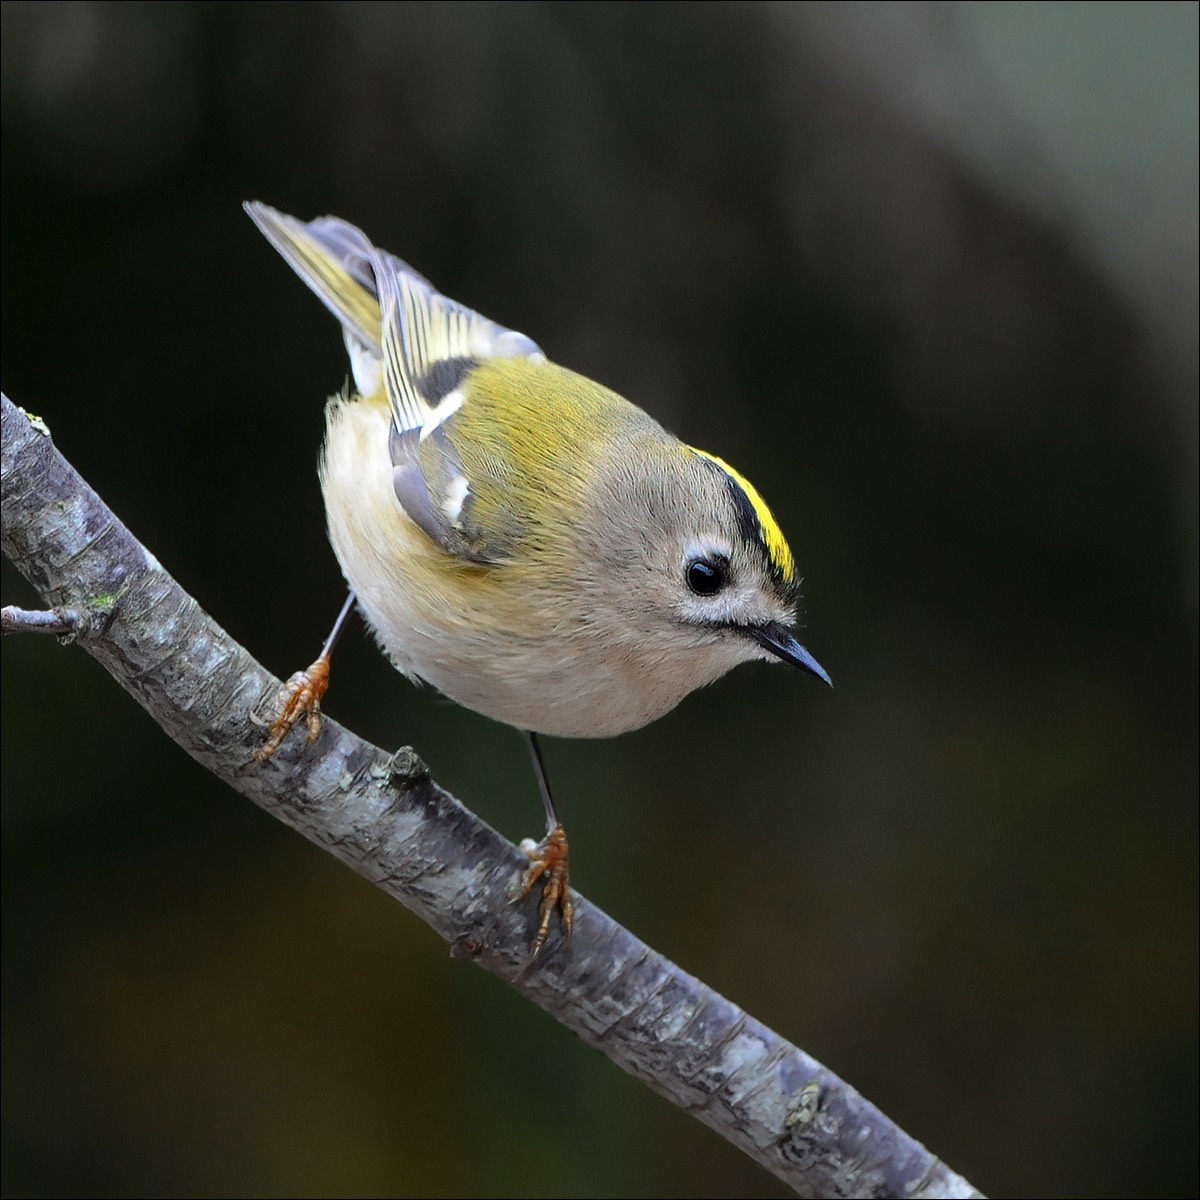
(397, 326)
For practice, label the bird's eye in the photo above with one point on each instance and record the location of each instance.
(704, 576)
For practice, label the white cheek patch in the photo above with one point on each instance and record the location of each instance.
(445, 408)
(456, 497)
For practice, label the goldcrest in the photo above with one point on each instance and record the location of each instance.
(527, 541)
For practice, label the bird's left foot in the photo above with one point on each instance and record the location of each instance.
(547, 858)
(299, 700)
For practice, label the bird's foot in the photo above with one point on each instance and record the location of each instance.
(547, 858)
(299, 700)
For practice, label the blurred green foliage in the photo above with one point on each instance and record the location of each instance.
(843, 250)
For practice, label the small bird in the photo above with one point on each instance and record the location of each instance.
(525, 540)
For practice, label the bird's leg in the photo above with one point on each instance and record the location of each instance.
(301, 695)
(549, 858)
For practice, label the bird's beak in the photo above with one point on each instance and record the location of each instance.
(781, 642)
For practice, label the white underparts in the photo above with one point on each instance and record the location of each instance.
(365, 366)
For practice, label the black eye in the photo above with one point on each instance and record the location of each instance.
(705, 577)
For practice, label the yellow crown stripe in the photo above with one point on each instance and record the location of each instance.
(778, 551)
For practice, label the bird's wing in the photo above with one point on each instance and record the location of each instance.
(420, 347)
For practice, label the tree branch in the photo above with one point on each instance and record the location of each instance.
(388, 820)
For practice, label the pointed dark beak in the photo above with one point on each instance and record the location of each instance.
(781, 642)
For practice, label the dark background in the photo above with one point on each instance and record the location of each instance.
(927, 275)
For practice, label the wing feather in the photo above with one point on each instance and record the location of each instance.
(418, 346)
